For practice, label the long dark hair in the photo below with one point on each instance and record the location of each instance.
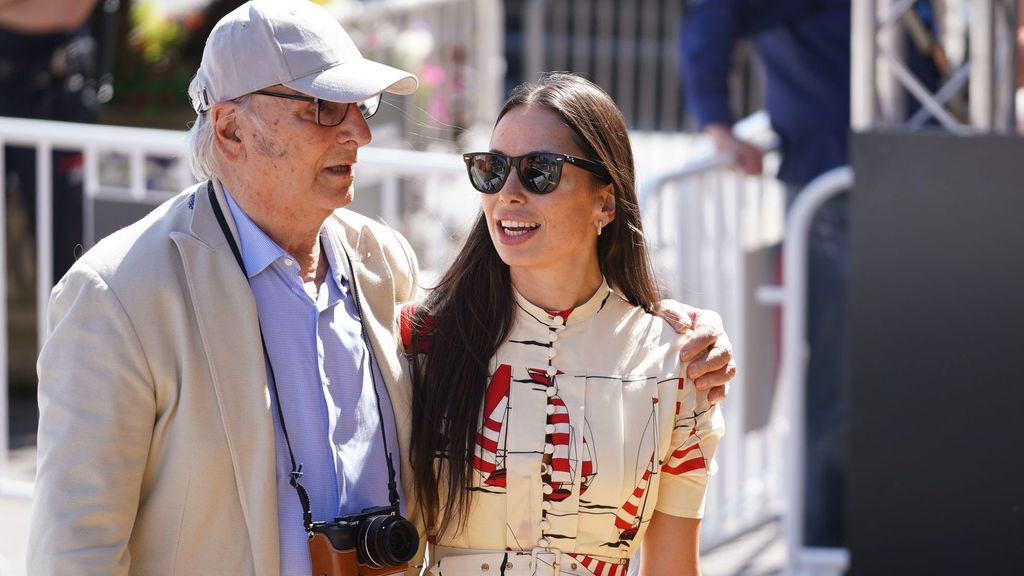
(470, 312)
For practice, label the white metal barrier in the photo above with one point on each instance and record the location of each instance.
(803, 561)
(761, 474)
(704, 222)
(426, 195)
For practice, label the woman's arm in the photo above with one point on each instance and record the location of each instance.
(671, 546)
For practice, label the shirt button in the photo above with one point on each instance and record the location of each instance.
(558, 320)
(554, 336)
(549, 448)
(552, 352)
(548, 489)
(545, 505)
(552, 371)
(544, 524)
(485, 566)
(550, 409)
(550, 392)
(543, 542)
(549, 429)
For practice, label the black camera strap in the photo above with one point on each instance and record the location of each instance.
(296, 472)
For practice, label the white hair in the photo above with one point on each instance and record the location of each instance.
(199, 150)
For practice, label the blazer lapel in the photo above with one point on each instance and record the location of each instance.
(229, 329)
(377, 300)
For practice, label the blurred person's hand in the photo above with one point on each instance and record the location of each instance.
(706, 347)
(748, 158)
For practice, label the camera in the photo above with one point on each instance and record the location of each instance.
(374, 542)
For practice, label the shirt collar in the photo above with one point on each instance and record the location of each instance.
(555, 318)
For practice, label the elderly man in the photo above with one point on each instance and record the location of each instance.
(239, 342)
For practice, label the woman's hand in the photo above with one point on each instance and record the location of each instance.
(706, 347)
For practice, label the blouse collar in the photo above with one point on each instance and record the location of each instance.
(553, 318)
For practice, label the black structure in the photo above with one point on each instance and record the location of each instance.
(936, 482)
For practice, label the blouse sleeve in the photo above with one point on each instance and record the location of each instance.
(697, 427)
(415, 329)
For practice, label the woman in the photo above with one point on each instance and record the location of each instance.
(551, 421)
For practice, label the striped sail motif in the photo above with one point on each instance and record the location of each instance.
(601, 567)
(686, 458)
(630, 515)
(589, 466)
(628, 518)
(489, 459)
(561, 471)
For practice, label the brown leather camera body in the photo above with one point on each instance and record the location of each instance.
(327, 561)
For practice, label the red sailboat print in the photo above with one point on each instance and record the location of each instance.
(589, 466)
(631, 514)
(688, 456)
(489, 459)
(563, 462)
(685, 458)
(559, 475)
(602, 567)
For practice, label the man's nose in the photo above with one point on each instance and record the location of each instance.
(355, 128)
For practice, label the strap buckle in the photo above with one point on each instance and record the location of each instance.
(556, 563)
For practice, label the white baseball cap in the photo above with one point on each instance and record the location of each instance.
(292, 42)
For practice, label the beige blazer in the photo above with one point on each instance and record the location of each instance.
(156, 441)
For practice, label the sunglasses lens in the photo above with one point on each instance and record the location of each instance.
(540, 172)
(487, 172)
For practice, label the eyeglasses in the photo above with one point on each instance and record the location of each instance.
(538, 171)
(329, 113)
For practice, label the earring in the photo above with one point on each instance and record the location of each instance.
(600, 225)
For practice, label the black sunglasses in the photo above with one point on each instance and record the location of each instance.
(328, 113)
(538, 171)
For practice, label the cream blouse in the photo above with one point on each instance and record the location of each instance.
(587, 429)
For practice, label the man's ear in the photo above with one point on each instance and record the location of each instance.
(227, 135)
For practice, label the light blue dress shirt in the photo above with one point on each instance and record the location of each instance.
(323, 370)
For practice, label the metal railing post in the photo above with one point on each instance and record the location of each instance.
(4, 385)
(862, 66)
(794, 359)
(982, 77)
(44, 232)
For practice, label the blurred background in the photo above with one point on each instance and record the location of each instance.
(93, 110)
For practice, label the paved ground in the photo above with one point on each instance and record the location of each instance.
(14, 514)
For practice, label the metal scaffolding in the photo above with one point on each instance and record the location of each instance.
(977, 94)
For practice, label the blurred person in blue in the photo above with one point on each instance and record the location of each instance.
(221, 390)
(804, 48)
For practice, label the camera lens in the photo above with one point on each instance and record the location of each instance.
(388, 540)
